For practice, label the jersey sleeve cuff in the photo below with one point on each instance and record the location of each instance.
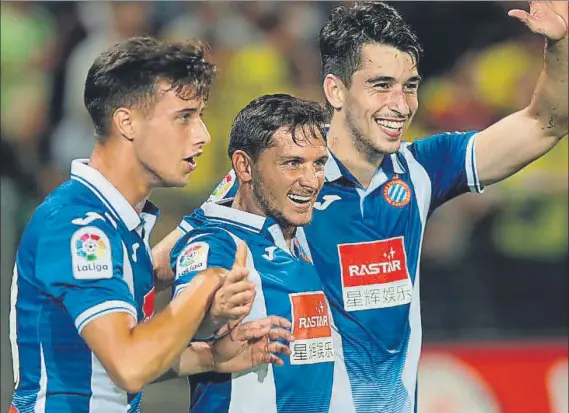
(470, 166)
(99, 310)
(178, 289)
(184, 227)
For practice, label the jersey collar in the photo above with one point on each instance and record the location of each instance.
(255, 223)
(335, 170)
(111, 197)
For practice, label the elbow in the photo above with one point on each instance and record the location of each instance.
(129, 378)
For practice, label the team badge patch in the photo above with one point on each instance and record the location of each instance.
(301, 253)
(193, 258)
(374, 274)
(397, 193)
(222, 188)
(311, 328)
(91, 254)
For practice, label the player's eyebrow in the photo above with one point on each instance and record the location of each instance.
(391, 79)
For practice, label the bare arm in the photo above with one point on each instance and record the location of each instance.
(134, 355)
(161, 257)
(517, 140)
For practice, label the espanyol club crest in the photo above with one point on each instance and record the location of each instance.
(396, 192)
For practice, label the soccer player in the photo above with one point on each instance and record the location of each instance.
(82, 332)
(278, 152)
(366, 235)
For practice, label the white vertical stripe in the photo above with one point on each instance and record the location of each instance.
(422, 186)
(301, 237)
(254, 390)
(106, 395)
(278, 238)
(127, 274)
(13, 327)
(470, 166)
(39, 407)
(342, 400)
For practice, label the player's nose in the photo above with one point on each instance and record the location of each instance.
(309, 178)
(199, 134)
(398, 102)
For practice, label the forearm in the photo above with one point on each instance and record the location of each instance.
(549, 103)
(155, 345)
(210, 326)
(161, 258)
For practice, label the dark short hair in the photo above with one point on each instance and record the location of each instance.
(126, 75)
(254, 127)
(350, 28)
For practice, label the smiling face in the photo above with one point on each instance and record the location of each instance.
(287, 176)
(170, 136)
(381, 101)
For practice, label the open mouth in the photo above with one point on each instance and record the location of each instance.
(300, 200)
(393, 128)
(191, 160)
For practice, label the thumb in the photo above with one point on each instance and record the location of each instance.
(241, 255)
(521, 15)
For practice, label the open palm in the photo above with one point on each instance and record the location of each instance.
(549, 18)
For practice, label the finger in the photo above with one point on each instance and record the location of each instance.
(280, 334)
(278, 321)
(266, 358)
(239, 311)
(241, 298)
(279, 348)
(521, 15)
(239, 287)
(236, 275)
(241, 255)
(252, 330)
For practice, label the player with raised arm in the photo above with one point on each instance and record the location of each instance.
(366, 235)
(83, 334)
(278, 151)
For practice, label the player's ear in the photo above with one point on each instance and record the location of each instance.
(334, 90)
(123, 120)
(243, 166)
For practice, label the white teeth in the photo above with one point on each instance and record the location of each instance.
(390, 124)
(299, 198)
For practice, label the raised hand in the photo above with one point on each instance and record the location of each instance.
(253, 343)
(235, 297)
(549, 18)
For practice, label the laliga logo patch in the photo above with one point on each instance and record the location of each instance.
(396, 192)
(193, 258)
(90, 254)
(223, 187)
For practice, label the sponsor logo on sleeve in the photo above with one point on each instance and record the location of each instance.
(374, 274)
(311, 327)
(91, 254)
(148, 305)
(193, 258)
(223, 188)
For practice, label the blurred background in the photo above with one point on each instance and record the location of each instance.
(494, 269)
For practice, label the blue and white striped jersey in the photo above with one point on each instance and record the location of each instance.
(313, 379)
(365, 244)
(84, 253)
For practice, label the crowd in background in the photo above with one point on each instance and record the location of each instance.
(493, 265)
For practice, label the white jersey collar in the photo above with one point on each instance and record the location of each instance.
(111, 196)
